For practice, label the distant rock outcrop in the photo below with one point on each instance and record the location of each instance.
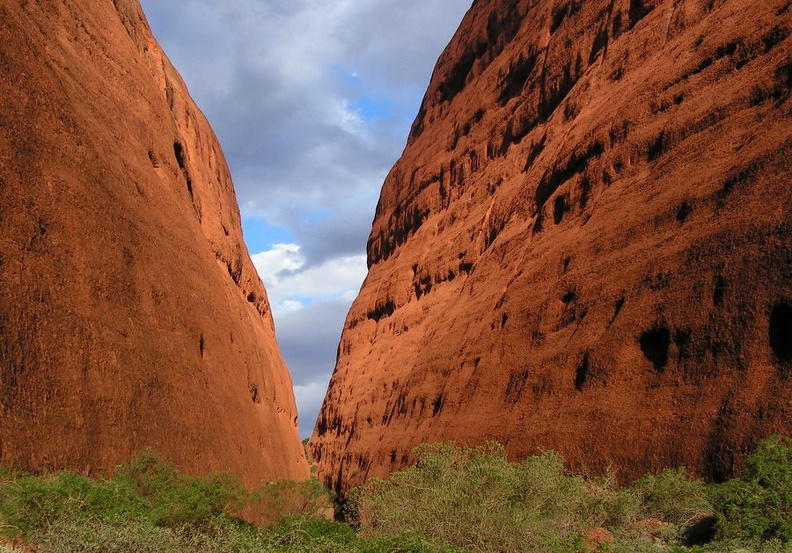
(130, 313)
(586, 245)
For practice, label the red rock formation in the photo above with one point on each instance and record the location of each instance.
(586, 245)
(131, 315)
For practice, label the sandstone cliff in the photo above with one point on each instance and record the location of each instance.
(131, 315)
(586, 245)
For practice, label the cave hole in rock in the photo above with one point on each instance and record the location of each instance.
(655, 344)
(437, 405)
(683, 212)
(560, 208)
(719, 291)
(178, 151)
(321, 425)
(781, 332)
(638, 10)
(702, 531)
(581, 373)
(382, 310)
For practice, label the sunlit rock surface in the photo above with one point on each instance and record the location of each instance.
(131, 316)
(586, 245)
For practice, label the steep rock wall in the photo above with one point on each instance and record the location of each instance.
(586, 245)
(131, 315)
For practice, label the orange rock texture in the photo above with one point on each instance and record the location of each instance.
(131, 316)
(586, 245)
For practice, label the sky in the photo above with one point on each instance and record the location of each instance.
(312, 101)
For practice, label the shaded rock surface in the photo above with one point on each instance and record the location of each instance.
(586, 245)
(130, 314)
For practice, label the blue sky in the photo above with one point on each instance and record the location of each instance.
(312, 101)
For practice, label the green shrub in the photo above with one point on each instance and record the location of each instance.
(276, 502)
(608, 505)
(32, 502)
(672, 496)
(321, 535)
(98, 537)
(146, 489)
(401, 543)
(477, 500)
(758, 505)
(308, 532)
(176, 500)
(453, 500)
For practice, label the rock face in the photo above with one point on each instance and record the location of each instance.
(131, 315)
(586, 246)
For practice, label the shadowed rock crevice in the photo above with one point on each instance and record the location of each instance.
(382, 310)
(582, 373)
(780, 332)
(513, 83)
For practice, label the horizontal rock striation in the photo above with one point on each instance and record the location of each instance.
(131, 316)
(586, 245)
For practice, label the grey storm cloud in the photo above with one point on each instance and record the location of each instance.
(312, 101)
(334, 236)
(311, 362)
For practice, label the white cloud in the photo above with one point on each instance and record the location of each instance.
(291, 284)
(273, 264)
(290, 306)
(333, 278)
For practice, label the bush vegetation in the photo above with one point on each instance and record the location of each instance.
(758, 505)
(453, 500)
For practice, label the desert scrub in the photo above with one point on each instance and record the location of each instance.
(321, 535)
(172, 499)
(146, 490)
(758, 506)
(149, 507)
(453, 500)
(672, 496)
(273, 503)
(476, 499)
(30, 503)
